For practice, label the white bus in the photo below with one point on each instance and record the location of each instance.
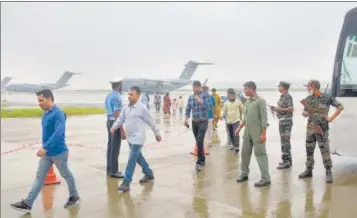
(344, 88)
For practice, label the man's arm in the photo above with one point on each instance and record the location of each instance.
(188, 108)
(263, 115)
(205, 102)
(224, 110)
(241, 110)
(149, 120)
(339, 108)
(119, 121)
(117, 106)
(60, 126)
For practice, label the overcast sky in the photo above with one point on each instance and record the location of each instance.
(246, 41)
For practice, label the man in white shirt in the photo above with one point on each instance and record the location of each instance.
(233, 110)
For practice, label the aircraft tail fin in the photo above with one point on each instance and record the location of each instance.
(190, 68)
(205, 82)
(5, 81)
(66, 76)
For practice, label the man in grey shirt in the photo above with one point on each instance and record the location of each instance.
(134, 119)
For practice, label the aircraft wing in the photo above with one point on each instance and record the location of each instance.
(165, 81)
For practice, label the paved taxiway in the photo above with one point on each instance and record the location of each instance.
(178, 190)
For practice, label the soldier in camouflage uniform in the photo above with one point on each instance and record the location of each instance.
(284, 112)
(317, 106)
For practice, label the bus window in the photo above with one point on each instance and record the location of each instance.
(349, 62)
(348, 79)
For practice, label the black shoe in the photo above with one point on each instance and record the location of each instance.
(262, 183)
(306, 174)
(72, 201)
(329, 178)
(21, 206)
(236, 150)
(117, 175)
(242, 178)
(199, 167)
(146, 179)
(285, 165)
(124, 188)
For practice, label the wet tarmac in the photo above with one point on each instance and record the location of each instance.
(178, 190)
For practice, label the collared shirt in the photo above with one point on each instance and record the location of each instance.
(233, 111)
(53, 131)
(255, 116)
(285, 101)
(199, 110)
(113, 103)
(181, 103)
(134, 119)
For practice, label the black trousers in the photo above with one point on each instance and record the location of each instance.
(157, 107)
(113, 149)
(199, 129)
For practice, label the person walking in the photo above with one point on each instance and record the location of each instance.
(174, 107)
(284, 111)
(54, 150)
(255, 120)
(198, 104)
(218, 107)
(135, 117)
(157, 102)
(233, 113)
(167, 104)
(316, 108)
(181, 105)
(113, 107)
(209, 133)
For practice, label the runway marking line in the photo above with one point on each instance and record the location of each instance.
(74, 145)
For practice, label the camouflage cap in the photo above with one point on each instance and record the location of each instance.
(284, 84)
(314, 83)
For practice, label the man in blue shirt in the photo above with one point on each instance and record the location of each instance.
(54, 151)
(135, 117)
(209, 132)
(198, 104)
(113, 107)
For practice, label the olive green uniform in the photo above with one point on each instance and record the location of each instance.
(255, 119)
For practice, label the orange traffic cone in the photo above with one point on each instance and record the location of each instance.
(195, 151)
(51, 177)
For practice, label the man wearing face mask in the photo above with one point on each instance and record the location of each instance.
(284, 112)
(316, 107)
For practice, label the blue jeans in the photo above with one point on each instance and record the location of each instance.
(181, 110)
(61, 162)
(233, 138)
(135, 156)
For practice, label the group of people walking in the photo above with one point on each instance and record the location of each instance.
(252, 115)
(169, 107)
(204, 111)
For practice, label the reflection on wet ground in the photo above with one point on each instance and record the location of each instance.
(178, 190)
